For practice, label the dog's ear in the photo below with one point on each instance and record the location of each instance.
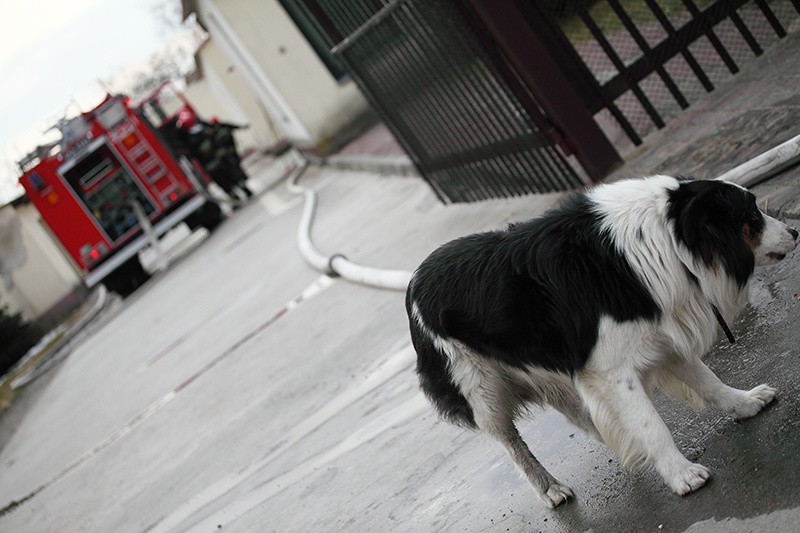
(706, 216)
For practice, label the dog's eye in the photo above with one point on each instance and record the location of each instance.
(754, 214)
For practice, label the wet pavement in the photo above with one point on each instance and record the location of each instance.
(243, 391)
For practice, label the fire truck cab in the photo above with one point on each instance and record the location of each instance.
(110, 178)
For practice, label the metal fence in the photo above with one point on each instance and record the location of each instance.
(470, 126)
(489, 97)
(649, 59)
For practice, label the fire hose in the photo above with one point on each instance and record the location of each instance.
(336, 264)
(747, 174)
(765, 165)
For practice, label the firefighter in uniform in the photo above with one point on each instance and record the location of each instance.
(223, 138)
(202, 142)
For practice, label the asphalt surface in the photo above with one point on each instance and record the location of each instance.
(243, 391)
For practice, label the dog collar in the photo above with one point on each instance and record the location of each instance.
(723, 324)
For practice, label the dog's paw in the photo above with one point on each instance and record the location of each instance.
(754, 401)
(556, 494)
(688, 479)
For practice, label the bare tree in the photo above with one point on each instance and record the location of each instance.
(171, 64)
(169, 13)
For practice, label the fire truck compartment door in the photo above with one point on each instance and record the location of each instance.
(129, 250)
(107, 191)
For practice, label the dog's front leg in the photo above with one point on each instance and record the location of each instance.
(739, 403)
(632, 428)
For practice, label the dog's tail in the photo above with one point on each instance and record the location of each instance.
(435, 378)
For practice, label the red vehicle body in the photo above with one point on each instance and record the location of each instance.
(85, 188)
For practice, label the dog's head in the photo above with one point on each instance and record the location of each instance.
(720, 224)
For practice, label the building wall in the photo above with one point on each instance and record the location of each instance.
(47, 277)
(282, 68)
(237, 103)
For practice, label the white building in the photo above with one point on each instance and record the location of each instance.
(309, 99)
(218, 90)
(47, 284)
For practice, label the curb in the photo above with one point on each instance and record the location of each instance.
(64, 346)
(398, 165)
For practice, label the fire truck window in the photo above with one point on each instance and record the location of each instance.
(154, 114)
(108, 192)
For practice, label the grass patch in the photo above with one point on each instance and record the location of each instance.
(7, 393)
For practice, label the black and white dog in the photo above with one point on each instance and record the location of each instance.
(589, 309)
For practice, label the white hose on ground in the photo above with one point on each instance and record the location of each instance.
(747, 174)
(336, 264)
(765, 165)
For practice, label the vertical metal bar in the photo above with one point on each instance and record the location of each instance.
(647, 51)
(712, 37)
(773, 20)
(535, 163)
(439, 111)
(687, 54)
(536, 66)
(471, 136)
(397, 79)
(525, 165)
(353, 13)
(618, 64)
(524, 125)
(441, 92)
(745, 33)
(516, 121)
(590, 79)
(406, 139)
(385, 66)
(489, 128)
(623, 121)
(411, 114)
(531, 168)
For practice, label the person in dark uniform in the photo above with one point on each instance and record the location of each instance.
(223, 137)
(198, 139)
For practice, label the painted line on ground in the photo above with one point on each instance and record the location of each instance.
(319, 285)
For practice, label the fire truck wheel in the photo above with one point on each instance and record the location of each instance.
(127, 278)
(209, 216)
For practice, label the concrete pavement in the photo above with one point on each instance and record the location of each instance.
(242, 391)
(205, 374)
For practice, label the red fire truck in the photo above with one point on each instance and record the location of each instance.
(93, 188)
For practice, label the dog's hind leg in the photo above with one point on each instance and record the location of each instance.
(630, 425)
(569, 404)
(502, 428)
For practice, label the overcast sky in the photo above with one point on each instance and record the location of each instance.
(53, 52)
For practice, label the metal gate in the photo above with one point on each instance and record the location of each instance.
(470, 125)
(640, 62)
(490, 97)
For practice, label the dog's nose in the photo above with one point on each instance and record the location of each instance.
(794, 233)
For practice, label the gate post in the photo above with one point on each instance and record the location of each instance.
(539, 71)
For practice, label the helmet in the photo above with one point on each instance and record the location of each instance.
(186, 119)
